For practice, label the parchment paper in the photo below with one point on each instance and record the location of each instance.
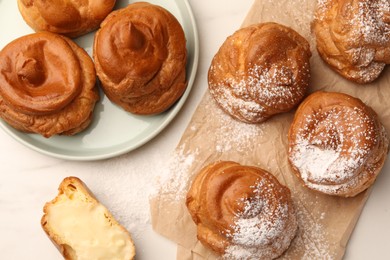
(325, 222)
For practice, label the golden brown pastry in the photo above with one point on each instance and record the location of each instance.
(353, 37)
(47, 85)
(260, 71)
(241, 212)
(71, 18)
(337, 145)
(140, 56)
(82, 228)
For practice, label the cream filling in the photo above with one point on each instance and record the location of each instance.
(86, 227)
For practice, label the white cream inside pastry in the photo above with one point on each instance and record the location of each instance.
(84, 228)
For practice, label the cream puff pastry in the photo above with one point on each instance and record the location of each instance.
(71, 18)
(259, 71)
(140, 56)
(47, 85)
(337, 145)
(353, 37)
(241, 211)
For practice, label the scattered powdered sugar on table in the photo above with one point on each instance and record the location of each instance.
(312, 236)
(125, 191)
(231, 134)
(173, 179)
(129, 201)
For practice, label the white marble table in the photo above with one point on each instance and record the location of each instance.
(28, 179)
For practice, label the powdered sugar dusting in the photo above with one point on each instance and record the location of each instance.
(262, 230)
(373, 18)
(322, 7)
(362, 34)
(331, 148)
(127, 201)
(314, 162)
(312, 236)
(166, 174)
(232, 95)
(173, 179)
(369, 20)
(231, 134)
(259, 93)
(374, 32)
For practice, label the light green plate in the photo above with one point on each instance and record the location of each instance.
(113, 131)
